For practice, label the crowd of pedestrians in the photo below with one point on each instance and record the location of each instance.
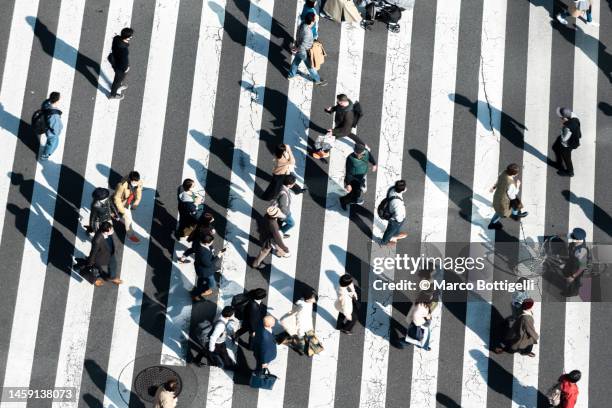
(247, 314)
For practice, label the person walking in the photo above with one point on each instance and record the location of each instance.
(254, 312)
(566, 142)
(339, 10)
(53, 116)
(397, 212)
(569, 389)
(165, 396)
(203, 229)
(303, 44)
(205, 268)
(101, 210)
(216, 348)
(346, 114)
(419, 320)
(299, 323)
(283, 202)
(128, 194)
(355, 175)
(505, 198)
(101, 255)
(346, 305)
(265, 344)
(577, 262)
(284, 165)
(191, 208)
(271, 237)
(120, 61)
(310, 8)
(522, 335)
(578, 9)
(518, 297)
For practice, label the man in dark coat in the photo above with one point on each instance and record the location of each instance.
(355, 177)
(254, 311)
(264, 343)
(120, 62)
(205, 267)
(344, 118)
(101, 255)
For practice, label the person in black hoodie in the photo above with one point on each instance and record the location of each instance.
(120, 61)
(344, 119)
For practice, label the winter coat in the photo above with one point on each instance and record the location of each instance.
(122, 193)
(569, 392)
(285, 164)
(501, 201)
(54, 120)
(101, 252)
(205, 260)
(120, 54)
(344, 303)
(101, 211)
(265, 346)
(523, 333)
(270, 233)
(356, 168)
(339, 9)
(317, 55)
(343, 120)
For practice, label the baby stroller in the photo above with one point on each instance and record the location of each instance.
(386, 11)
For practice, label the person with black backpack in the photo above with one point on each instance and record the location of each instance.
(101, 210)
(346, 116)
(567, 141)
(48, 120)
(119, 60)
(250, 311)
(392, 209)
(213, 338)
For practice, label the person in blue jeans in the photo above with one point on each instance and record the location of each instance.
(54, 121)
(283, 201)
(310, 7)
(303, 44)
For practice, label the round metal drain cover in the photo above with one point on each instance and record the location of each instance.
(148, 380)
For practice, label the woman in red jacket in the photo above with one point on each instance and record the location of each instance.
(569, 389)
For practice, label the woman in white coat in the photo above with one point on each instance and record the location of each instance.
(339, 10)
(346, 305)
(299, 323)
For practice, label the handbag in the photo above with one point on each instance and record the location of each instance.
(416, 332)
(262, 379)
(554, 395)
(313, 345)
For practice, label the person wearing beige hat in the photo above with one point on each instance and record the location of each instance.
(271, 237)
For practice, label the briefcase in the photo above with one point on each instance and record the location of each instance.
(262, 379)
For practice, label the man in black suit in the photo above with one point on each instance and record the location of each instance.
(101, 254)
(120, 62)
(253, 312)
(205, 267)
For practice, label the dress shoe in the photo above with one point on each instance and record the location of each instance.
(99, 282)
(207, 292)
(117, 281)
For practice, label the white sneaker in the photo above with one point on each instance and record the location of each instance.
(561, 19)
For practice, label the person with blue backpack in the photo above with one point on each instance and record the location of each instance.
(392, 209)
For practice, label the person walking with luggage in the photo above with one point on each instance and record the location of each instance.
(203, 229)
(120, 61)
(216, 347)
(101, 210)
(101, 255)
(191, 208)
(165, 396)
(522, 335)
(265, 344)
(271, 237)
(54, 125)
(505, 198)
(577, 262)
(346, 116)
(346, 304)
(253, 313)
(396, 211)
(205, 268)
(284, 164)
(566, 142)
(356, 170)
(303, 44)
(419, 325)
(128, 194)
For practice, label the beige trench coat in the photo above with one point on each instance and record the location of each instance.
(339, 9)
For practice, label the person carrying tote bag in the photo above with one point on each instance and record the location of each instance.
(419, 332)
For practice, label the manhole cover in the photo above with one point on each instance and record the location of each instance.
(148, 380)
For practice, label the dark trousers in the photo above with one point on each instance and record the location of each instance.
(105, 271)
(393, 229)
(344, 324)
(219, 357)
(117, 82)
(563, 156)
(355, 193)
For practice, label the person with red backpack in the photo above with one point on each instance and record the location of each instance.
(567, 141)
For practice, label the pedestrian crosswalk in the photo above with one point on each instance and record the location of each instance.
(462, 90)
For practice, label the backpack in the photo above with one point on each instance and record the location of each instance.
(111, 60)
(574, 140)
(383, 209)
(205, 330)
(357, 113)
(40, 120)
(239, 303)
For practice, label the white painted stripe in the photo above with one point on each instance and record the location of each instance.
(282, 274)
(335, 230)
(578, 313)
(435, 203)
(14, 79)
(242, 183)
(393, 124)
(537, 98)
(40, 221)
(195, 166)
(99, 156)
(134, 263)
(486, 164)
